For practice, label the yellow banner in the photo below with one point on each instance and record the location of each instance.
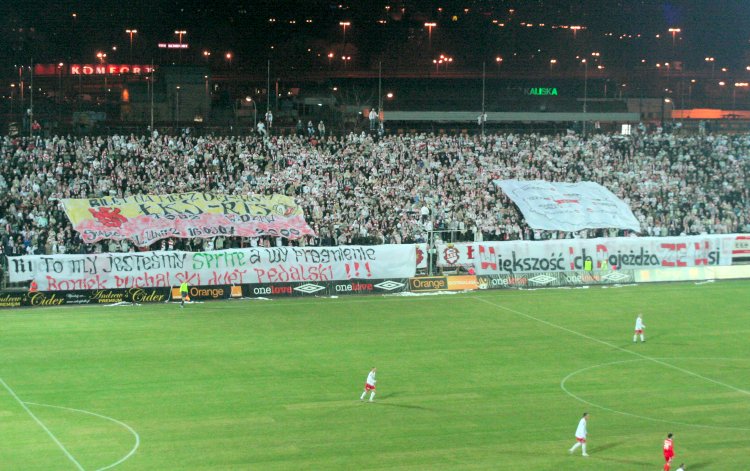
(147, 218)
(193, 204)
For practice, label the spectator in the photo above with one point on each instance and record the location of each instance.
(321, 130)
(373, 119)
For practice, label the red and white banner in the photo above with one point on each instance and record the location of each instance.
(741, 252)
(421, 256)
(144, 219)
(221, 267)
(560, 255)
(569, 207)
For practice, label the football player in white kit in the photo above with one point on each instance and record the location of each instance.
(639, 328)
(581, 435)
(369, 386)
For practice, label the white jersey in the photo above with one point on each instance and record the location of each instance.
(639, 325)
(371, 378)
(581, 430)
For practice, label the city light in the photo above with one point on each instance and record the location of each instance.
(429, 26)
(674, 31)
(131, 32)
(344, 25)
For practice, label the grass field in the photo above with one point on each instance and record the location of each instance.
(487, 380)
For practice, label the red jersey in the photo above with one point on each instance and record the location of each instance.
(668, 450)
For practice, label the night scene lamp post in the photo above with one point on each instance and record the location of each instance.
(131, 32)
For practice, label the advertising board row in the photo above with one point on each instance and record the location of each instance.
(202, 293)
(309, 288)
(519, 280)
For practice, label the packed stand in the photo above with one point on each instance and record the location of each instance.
(360, 189)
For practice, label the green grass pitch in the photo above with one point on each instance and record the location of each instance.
(484, 380)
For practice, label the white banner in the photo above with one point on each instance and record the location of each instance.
(569, 207)
(489, 258)
(421, 256)
(221, 267)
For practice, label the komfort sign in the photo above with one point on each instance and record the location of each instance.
(93, 69)
(109, 69)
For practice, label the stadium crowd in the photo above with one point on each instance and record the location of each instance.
(360, 189)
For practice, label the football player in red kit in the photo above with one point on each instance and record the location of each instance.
(668, 452)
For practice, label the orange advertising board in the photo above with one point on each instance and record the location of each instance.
(462, 283)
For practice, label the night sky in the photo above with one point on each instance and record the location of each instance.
(301, 32)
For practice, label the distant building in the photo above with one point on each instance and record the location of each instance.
(181, 95)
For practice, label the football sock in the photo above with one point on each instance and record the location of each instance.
(583, 449)
(573, 448)
(643, 338)
(666, 467)
(363, 395)
(635, 338)
(372, 396)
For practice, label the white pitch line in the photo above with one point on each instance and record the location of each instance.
(644, 417)
(639, 355)
(123, 424)
(41, 424)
